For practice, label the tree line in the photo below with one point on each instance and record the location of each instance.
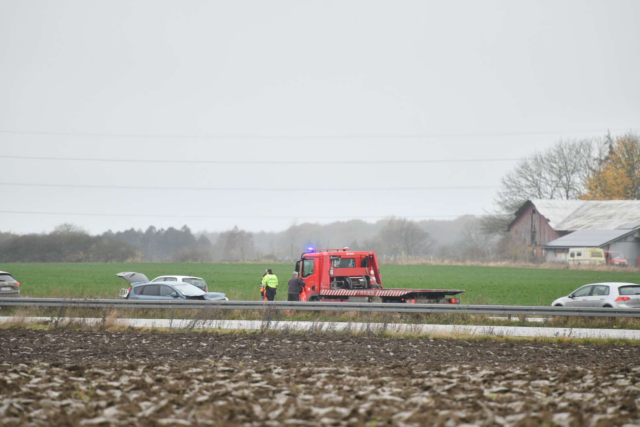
(394, 239)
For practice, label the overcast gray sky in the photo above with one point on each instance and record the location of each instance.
(294, 81)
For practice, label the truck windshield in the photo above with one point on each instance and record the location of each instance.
(616, 256)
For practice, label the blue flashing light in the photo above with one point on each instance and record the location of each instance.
(310, 249)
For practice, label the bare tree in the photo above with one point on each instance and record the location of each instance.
(475, 244)
(68, 228)
(234, 245)
(401, 236)
(558, 173)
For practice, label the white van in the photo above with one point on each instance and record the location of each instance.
(586, 256)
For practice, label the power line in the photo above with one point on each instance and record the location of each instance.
(222, 216)
(256, 189)
(299, 137)
(261, 162)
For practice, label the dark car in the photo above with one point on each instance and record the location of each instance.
(9, 286)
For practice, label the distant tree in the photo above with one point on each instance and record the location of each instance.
(200, 252)
(5, 237)
(67, 228)
(558, 173)
(475, 244)
(618, 175)
(66, 244)
(402, 237)
(495, 223)
(234, 245)
(159, 244)
(104, 249)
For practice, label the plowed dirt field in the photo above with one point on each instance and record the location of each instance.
(66, 377)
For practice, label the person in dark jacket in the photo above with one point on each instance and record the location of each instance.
(296, 285)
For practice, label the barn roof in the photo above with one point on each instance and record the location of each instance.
(557, 211)
(602, 215)
(573, 215)
(588, 238)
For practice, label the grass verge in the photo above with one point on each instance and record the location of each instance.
(81, 325)
(109, 316)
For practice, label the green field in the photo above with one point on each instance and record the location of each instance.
(484, 285)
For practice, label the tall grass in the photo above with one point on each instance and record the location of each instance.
(199, 317)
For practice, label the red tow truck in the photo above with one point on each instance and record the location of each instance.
(341, 275)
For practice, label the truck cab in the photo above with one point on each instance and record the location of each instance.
(337, 269)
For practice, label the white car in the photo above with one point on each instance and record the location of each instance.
(608, 295)
(198, 282)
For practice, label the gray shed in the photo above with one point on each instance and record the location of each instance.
(626, 239)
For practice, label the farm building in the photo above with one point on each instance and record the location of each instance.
(626, 240)
(548, 228)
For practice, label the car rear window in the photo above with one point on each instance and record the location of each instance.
(195, 282)
(7, 278)
(629, 290)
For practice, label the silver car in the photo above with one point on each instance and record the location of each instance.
(9, 286)
(171, 290)
(612, 295)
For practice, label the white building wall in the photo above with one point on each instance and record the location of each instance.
(556, 255)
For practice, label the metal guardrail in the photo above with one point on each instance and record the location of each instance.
(322, 306)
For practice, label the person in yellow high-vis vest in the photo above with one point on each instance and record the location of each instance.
(270, 283)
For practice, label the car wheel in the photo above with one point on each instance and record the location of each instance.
(558, 305)
(607, 306)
